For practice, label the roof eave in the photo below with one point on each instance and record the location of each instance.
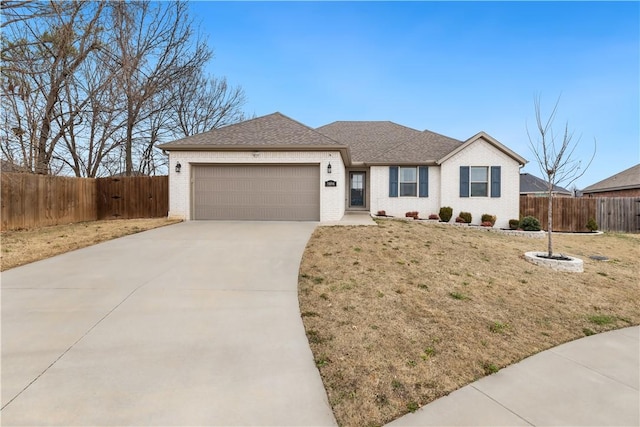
(403, 163)
(602, 190)
(343, 149)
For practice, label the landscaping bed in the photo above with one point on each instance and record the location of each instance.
(401, 314)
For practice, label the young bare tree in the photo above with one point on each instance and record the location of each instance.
(555, 155)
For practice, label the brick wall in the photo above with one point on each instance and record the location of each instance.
(398, 206)
(482, 153)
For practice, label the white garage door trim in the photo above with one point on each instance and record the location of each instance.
(261, 192)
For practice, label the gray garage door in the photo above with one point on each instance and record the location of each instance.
(257, 192)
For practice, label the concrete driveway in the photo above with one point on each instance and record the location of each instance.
(191, 324)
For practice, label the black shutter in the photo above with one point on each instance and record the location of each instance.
(393, 181)
(495, 181)
(423, 181)
(464, 181)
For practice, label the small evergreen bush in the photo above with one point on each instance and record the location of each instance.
(530, 223)
(592, 225)
(488, 218)
(466, 216)
(514, 224)
(446, 213)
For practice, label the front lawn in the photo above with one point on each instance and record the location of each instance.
(401, 314)
(25, 246)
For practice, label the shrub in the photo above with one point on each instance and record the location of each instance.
(592, 225)
(434, 216)
(382, 213)
(412, 214)
(514, 224)
(466, 216)
(446, 213)
(488, 218)
(530, 223)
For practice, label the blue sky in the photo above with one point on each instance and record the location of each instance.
(455, 68)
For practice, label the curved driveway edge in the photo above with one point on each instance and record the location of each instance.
(591, 381)
(196, 323)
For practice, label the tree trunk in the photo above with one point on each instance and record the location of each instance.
(550, 220)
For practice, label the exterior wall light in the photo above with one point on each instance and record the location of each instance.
(178, 167)
(329, 168)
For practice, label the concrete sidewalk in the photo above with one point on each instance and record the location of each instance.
(196, 323)
(351, 218)
(592, 381)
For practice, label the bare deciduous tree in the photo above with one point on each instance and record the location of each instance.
(205, 103)
(44, 59)
(98, 130)
(154, 50)
(555, 155)
(92, 87)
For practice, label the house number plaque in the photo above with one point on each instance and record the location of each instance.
(330, 183)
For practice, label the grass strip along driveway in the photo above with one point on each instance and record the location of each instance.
(25, 246)
(401, 314)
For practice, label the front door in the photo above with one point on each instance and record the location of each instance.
(357, 185)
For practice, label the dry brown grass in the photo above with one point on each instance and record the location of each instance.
(403, 313)
(25, 246)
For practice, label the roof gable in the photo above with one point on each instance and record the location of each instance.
(273, 130)
(488, 138)
(628, 178)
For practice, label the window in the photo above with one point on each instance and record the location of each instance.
(479, 181)
(474, 181)
(408, 182)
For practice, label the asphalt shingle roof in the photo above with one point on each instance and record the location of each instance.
(629, 178)
(532, 184)
(272, 130)
(371, 142)
(388, 142)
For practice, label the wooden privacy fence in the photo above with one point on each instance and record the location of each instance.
(618, 214)
(30, 201)
(133, 197)
(572, 214)
(569, 214)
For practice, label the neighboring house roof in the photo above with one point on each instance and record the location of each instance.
(124, 174)
(530, 184)
(627, 179)
(7, 166)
